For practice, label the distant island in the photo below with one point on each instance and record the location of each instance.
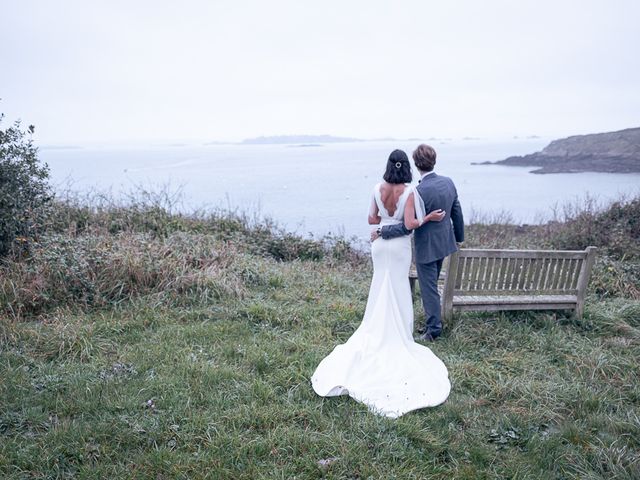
(60, 147)
(317, 140)
(611, 152)
(320, 140)
(298, 139)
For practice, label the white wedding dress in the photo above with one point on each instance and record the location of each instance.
(381, 365)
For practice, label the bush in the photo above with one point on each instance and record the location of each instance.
(614, 229)
(615, 278)
(155, 213)
(98, 271)
(24, 192)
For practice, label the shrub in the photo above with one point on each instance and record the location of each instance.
(155, 213)
(614, 229)
(615, 278)
(99, 271)
(24, 191)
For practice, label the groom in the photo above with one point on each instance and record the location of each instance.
(434, 240)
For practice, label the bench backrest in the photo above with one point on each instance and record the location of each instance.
(519, 272)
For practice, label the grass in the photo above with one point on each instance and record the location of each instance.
(197, 366)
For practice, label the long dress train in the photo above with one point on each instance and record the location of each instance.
(381, 365)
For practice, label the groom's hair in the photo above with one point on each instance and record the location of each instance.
(424, 157)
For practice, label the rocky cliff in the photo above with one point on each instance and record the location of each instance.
(615, 152)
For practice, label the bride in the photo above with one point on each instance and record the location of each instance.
(381, 365)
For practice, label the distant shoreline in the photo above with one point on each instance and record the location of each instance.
(611, 152)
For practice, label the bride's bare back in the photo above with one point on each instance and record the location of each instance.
(390, 193)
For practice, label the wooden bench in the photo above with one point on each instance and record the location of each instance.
(491, 280)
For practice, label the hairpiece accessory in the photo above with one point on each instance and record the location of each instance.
(398, 164)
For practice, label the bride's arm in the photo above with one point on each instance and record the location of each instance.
(374, 213)
(410, 220)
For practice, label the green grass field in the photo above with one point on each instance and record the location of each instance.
(187, 354)
(221, 390)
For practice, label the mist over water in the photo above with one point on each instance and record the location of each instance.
(327, 189)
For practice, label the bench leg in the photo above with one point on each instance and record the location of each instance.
(449, 286)
(447, 312)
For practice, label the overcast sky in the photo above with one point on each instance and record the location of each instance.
(103, 71)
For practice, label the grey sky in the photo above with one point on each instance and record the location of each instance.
(85, 71)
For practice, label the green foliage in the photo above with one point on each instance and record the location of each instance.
(221, 389)
(615, 278)
(97, 271)
(153, 213)
(614, 229)
(24, 191)
(100, 254)
(137, 342)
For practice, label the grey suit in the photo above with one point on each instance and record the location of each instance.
(434, 241)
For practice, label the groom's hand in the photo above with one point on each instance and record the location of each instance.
(374, 235)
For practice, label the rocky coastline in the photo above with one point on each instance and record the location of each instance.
(611, 152)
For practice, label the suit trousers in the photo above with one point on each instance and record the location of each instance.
(428, 274)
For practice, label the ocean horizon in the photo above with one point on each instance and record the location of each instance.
(322, 189)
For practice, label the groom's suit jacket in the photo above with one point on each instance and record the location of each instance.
(434, 240)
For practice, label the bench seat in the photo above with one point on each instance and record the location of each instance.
(492, 280)
(515, 302)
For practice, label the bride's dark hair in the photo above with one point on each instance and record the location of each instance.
(398, 168)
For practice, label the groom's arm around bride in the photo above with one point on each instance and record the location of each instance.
(437, 193)
(434, 241)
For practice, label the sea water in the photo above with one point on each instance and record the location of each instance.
(326, 189)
